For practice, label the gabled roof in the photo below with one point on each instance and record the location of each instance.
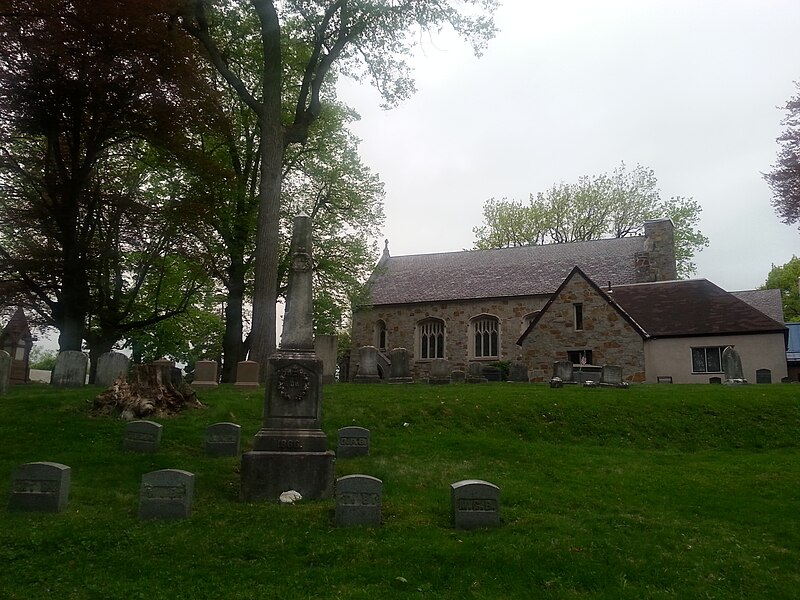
(768, 302)
(691, 308)
(577, 272)
(499, 273)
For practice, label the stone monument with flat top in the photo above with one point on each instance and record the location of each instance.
(290, 452)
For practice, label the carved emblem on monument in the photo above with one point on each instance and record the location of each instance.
(293, 383)
(301, 261)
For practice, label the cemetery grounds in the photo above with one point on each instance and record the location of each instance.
(657, 491)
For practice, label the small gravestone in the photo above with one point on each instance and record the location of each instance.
(246, 375)
(70, 369)
(142, 436)
(732, 364)
(475, 504)
(763, 376)
(353, 441)
(358, 501)
(440, 372)
(367, 365)
(205, 374)
(166, 494)
(110, 367)
(223, 439)
(492, 373)
(475, 373)
(40, 486)
(715, 380)
(5, 372)
(563, 370)
(518, 372)
(664, 379)
(458, 376)
(399, 371)
(611, 375)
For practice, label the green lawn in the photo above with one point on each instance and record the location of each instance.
(651, 492)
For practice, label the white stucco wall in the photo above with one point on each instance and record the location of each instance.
(673, 356)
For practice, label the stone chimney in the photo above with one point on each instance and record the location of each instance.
(656, 261)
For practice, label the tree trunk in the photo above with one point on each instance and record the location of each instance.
(268, 235)
(232, 347)
(150, 391)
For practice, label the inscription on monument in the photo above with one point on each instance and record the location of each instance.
(164, 492)
(477, 505)
(35, 486)
(362, 499)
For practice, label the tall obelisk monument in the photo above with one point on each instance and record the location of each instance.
(290, 451)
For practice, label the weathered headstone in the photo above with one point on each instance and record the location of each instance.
(492, 373)
(223, 439)
(664, 379)
(457, 376)
(290, 450)
(611, 375)
(732, 364)
(440, 371)
(110, 367)
(327, 347)
(5, 372)
(763, 376)
(715, 380)
(247, 375)
(358, 501)
(353, 441)
(399, 371)
(70, 369)
(475, 373)
(40, 486)
(367, 365)
(166, 494)
(563, 370)
(142, 436)
(475, 504)
(205, 374)
(518, 372)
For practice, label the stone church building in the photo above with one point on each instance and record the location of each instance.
(610, 301)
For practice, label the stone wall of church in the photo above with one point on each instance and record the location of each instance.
(401, 322)
(610, 338)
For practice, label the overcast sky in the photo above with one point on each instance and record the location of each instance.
(693, 89)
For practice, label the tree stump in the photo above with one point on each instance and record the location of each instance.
(149, 391)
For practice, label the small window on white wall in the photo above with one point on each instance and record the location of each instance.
(486, 337)
(431, 338)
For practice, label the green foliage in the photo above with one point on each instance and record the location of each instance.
(785, 278)
(615, 205)
(649, 492)
(42, 358)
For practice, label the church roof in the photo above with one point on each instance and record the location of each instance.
(769, 302)
(691, 307)
(502, 272)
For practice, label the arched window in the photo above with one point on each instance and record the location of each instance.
(431, 338)
(485, 337)
(380, 335)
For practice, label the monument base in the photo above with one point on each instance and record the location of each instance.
(266, 475)
(277, 439)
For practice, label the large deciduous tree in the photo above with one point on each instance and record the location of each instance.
(615, 205)
(784, 179)
(83, 83)
(785, 278)
(363, 38)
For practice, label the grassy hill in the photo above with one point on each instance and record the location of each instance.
(651, 492)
